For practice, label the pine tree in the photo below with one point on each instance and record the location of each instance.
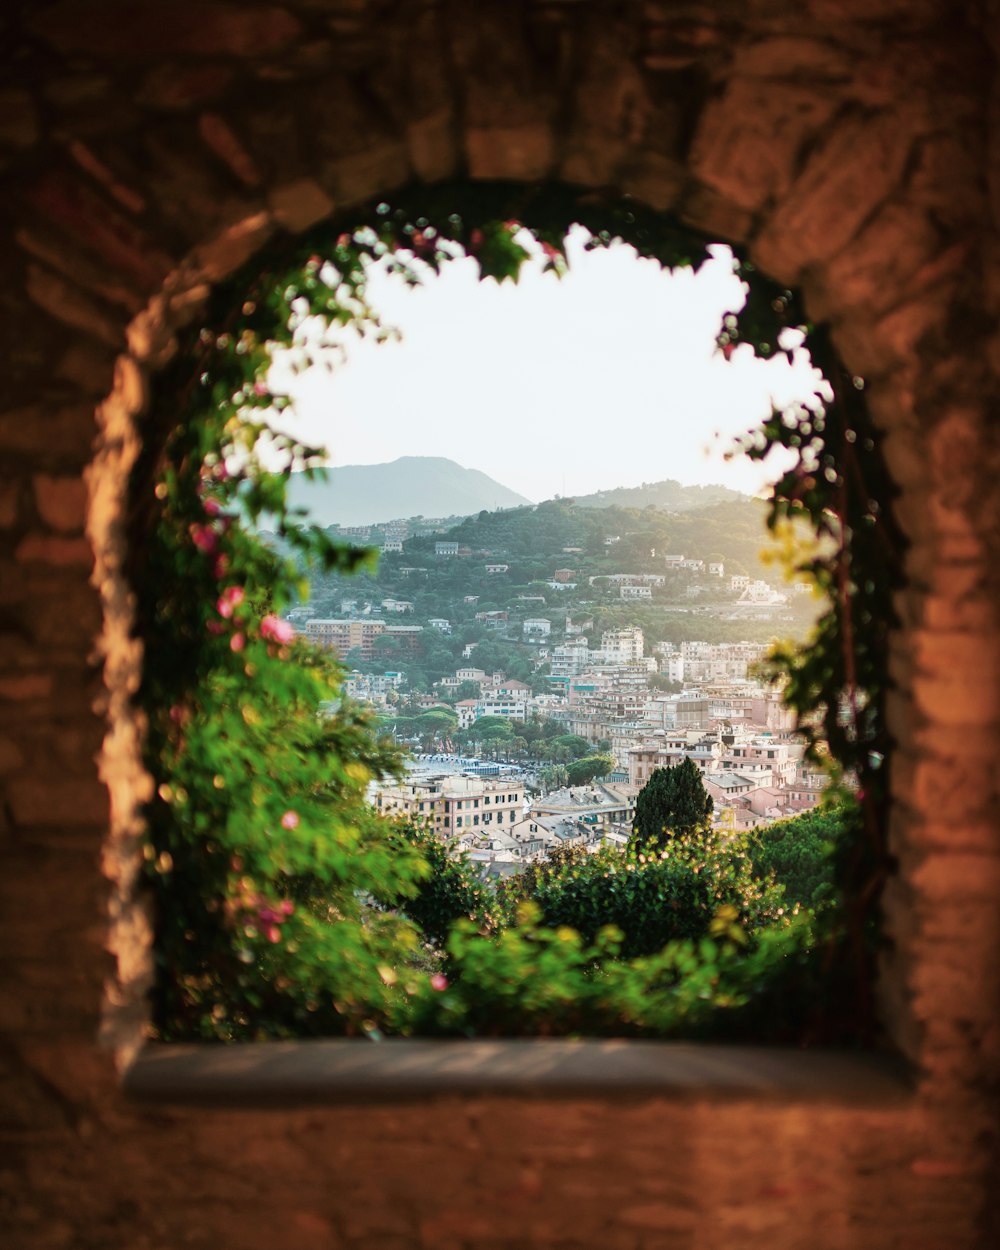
(673, 802)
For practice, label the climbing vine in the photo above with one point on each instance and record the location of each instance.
(280, 894)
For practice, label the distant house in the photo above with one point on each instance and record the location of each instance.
(563, 575)
(466, 711)
(390, 545)
(715, 569)
(477, 675)
(536, 627)
(497, 568)
(446, 549)
(441, 624)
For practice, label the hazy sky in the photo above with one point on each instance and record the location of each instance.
(607, 377)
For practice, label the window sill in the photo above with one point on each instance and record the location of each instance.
(319, 1072)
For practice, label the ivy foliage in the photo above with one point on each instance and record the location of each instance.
(281, 897)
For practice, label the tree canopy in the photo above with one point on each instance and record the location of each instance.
(673, 802)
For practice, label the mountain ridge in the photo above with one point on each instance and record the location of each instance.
(409, 486)
(436, 486)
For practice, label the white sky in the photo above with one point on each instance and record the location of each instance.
(607, 377)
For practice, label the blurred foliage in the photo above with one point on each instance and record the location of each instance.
(281, 896)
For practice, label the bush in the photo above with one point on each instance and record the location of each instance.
(653, 900)
(799, 853)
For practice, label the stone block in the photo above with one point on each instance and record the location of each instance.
(193, 192)
(714, 214)
(219, 257)
(57, 551)
(72, 205)
(18, 119)
(61, 501)
(9, 504)
(516, 152)
(86, 367)
(183, 84)
(117, 30)
(654, 179)
(749, 139)
(53, 250)
(961, 700)
(885, 261)
(434, 151)
(125, 194)
(854, 169)
(299, 205)
(954, 879)
(66, 303)
(357, 176)
(64, 801)
(26, 687)
(219, 136)
(793, 56)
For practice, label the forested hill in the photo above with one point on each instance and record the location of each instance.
(611, 539)
(669, 495)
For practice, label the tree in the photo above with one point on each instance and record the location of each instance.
(673, 802)
(583, 771)
(466, 690)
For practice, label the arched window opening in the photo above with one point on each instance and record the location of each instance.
(287, 905)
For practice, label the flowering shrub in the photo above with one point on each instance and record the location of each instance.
(285, 905)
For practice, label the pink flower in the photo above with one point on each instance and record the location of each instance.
(260, 388)
(220, 567)
(287, 906)
(476, 239)
(211, 507)
(290, 820)
(275, 629)
(237, 642)
(229, 600)
(272, 933)
(439, 981)
(204, 539)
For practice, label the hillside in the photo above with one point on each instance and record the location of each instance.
(411, 486)
(668, 495)
(508, 561)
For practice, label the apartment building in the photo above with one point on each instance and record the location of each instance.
(622, 646)
(571, 658)
(343, 636)
(454, 804)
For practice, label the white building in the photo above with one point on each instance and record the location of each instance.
(536, 627)
(622, 646)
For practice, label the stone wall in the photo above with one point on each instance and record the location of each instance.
(146, 152)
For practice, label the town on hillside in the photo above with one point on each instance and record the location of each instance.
(541, 662)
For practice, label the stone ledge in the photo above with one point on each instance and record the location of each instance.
(321, 1072)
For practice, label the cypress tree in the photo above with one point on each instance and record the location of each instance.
(673, 802)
